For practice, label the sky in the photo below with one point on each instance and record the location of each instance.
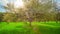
(58, 0)
(2, 3)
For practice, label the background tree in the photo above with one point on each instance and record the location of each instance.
(33, 11)
(1, 16)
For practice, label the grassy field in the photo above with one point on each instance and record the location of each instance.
(36, 28)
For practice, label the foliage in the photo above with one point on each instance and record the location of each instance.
(33, 11)
(1, 16)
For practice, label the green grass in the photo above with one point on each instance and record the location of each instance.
(48, 27)
(22, 28)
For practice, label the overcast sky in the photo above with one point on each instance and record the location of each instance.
(3, 2)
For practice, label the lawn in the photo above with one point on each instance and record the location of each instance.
(36, 28)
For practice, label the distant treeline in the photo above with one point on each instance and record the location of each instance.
(11, 17)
